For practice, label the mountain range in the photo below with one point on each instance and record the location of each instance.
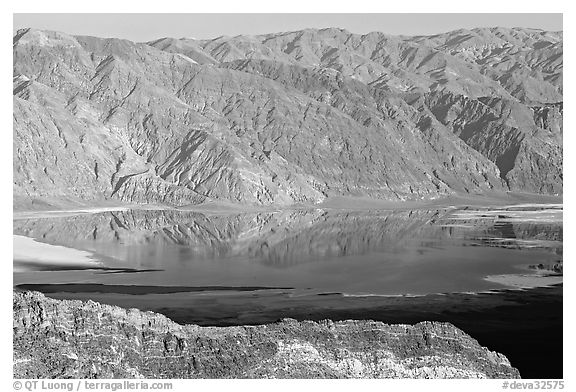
(285, 118)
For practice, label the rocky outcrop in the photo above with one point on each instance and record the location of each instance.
(286, 118)
(515, 137)
(74, 339)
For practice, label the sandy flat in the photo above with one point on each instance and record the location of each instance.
(18, 215)
(494, 199)
(28, 251)
(525, 281)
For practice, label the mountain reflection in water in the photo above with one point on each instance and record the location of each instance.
(358, 253)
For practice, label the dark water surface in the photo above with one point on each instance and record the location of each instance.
(250, 268)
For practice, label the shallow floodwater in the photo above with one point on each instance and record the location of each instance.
(392, 266)
(301, 251)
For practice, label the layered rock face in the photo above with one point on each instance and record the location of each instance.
(74, 339)
(286, 118)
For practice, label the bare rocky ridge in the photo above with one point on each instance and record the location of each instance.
(74, 339)
(285, 118)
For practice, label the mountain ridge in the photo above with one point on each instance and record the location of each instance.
(294, 117)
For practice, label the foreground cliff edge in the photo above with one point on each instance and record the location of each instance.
(76, 339)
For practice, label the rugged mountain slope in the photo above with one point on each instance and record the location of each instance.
(73, 339)
(286, 118)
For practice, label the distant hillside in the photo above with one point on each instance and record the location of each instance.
(286, 118)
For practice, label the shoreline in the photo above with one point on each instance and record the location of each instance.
(531, 278)
(343, 203)
(30, 251)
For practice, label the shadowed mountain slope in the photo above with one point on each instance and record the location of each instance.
(286, 118)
